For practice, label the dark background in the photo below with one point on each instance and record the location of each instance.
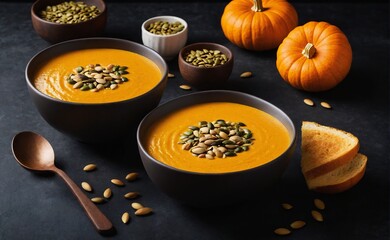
(36, 206)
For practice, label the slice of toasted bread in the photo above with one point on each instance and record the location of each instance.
(324, 149)
(342, 178)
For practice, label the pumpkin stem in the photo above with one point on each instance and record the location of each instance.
(257, 6)
(309, 50)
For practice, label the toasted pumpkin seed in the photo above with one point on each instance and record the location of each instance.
(317, 215)
(326, 105)
(246, 74)
(131, 176)
(107, 193)
(131, 195)
(282, 231)
(143, 211)
(125, 217)
(97, 200)
(319, 204)
(308, 102)
(171, 75)
(117, 182)
(297, 224)
(86, 186)
(136, 205)
(89, 167)
(185, 87)
(287, 206)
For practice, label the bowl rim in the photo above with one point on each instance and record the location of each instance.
(192, 47)
(35, 15)
(246, 95)
(36, 91)
(144, 31)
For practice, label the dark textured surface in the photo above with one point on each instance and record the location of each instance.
(36, 206)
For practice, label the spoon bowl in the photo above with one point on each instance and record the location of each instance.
(34, 152)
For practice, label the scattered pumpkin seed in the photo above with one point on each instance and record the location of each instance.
(89, 167)
(246, 74)
(125, 217)
(297, 224)
(165, 27)
(136, 205)
(185, 87)
(171, 75)
(117, 182)
(317, 215)
(282, 231)
(319, 204)
(86, 186)
(287, 206)
(69, 12)
(326, 105)
(131, 176)
(98, 200)
(131, 195)
(143, 211)
(107, 193)
(308, 102)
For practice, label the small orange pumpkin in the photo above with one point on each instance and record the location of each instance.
(314, 57)
(258, 24)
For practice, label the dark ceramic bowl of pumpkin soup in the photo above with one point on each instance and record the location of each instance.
(215, 147)
(96, 89)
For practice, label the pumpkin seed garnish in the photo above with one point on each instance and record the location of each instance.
(107, 193)
(326, 105)
(319, 204)
(95, 77)
(86, 186)
(143, 211)
(165, 27)
(131, 195)
(185, 87)
(98, 200)
(89, 167)
(125, 217)
(69, 12)
(171, 75)
(246, 74)
(131, 176)
(287, 206)
(308, 102)
(317, 215)
(297, 224)
(136, 205)
(206, 58)
(282, 231)
(219, 139)
(117, 182)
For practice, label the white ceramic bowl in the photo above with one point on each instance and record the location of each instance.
(168, 46)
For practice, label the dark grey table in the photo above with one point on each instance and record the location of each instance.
(36, 206)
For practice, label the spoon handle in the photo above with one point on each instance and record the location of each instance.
(101, 222)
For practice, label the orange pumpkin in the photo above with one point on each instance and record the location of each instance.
(314, 57)
(258, 24)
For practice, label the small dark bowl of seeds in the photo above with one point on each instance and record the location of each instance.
(60, 20)
(206, 65)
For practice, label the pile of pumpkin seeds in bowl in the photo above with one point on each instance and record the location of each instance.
(165, 27)
(216, 139)
(95, 77)
(206, 58)
(69, 12)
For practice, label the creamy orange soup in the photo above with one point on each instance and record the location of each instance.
(143, 75)
(271, 138)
